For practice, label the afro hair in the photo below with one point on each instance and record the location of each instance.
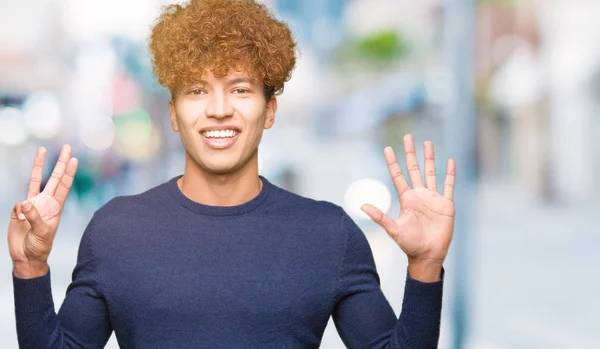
(221, 36)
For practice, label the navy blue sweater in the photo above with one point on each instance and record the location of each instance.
(163, 271)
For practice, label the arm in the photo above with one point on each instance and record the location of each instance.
(423, 231)
(363, 316)
(83, 319)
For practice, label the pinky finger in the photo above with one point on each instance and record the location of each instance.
(380, 218)
(449, 182)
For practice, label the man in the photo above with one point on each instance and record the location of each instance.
(219, 257)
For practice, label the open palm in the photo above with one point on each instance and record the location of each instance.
(34, 222)
(425, 225)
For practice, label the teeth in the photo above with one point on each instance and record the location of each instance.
(220, 134)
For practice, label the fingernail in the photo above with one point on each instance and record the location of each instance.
(22, 217)
(27, 206)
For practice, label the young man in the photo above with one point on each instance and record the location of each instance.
(219, 257)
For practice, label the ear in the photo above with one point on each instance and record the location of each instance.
(271, 109)
(173, 116)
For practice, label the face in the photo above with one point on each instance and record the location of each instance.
(221, 121)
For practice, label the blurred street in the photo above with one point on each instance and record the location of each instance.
(535, 285)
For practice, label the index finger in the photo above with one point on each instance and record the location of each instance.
(395, 171)
(35, 179)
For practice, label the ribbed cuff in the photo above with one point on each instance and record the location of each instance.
(423, 298)
(33, 295)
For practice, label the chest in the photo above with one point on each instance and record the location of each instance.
(225, 278)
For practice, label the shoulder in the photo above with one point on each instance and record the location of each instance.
(131, 208)
(302, 206)
(320, 213)
(324, 214)
(331, 227)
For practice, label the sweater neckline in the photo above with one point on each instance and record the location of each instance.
(219, 210)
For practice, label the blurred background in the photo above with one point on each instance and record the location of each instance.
(509, 88)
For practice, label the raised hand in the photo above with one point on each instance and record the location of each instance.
(425, 225)
(33, 222)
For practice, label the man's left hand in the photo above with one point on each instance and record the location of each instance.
(425, 225)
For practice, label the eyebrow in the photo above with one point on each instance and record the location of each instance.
(239, 81)
(228, 83)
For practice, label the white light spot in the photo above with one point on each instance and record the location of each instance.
(42, 115)
(100, 138)
(13, 130)
(367, 191)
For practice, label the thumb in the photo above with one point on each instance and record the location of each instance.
(38, 226)
(380, 218)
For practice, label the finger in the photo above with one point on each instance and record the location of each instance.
(35, 179)
(449, 182)
(395, 171)
(59, 170)
(66, 182)
(33, 217)
(17, 213)
(380, 218)
(412, 166)
(430, 166)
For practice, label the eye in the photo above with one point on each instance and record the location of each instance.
(196, 92)
(241, 91)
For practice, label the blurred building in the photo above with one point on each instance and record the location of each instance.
(536, 69)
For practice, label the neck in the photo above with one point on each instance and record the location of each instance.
(230, 189)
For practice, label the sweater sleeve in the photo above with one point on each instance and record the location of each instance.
(363, 316)
(82, 321)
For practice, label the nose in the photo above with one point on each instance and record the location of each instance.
(219, 106)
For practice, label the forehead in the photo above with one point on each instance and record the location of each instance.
(234, 77)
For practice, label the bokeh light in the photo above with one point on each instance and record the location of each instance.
(43, 115)
(13, 130)
(367, 191)
(137, 137)
(101, 136)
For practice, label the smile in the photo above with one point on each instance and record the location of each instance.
(220, 139)
(220, 134)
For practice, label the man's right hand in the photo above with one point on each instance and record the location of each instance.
(33, 222)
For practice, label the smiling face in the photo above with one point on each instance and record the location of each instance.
(221, 121)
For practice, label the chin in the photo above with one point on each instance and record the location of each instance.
(221, 170)
(221, 164)
(225, 166)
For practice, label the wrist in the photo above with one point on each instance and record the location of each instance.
(30, 269)
(425, 270)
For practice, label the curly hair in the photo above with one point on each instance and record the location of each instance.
(221, 36)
